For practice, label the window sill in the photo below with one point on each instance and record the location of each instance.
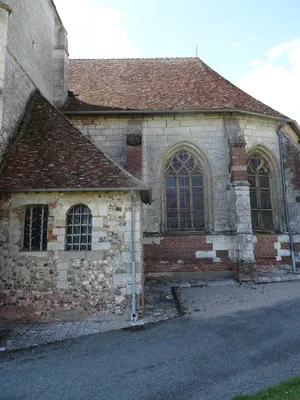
(27, 253)
(266, 231)
(185, 232)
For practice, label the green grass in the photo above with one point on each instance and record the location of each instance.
(287, 390)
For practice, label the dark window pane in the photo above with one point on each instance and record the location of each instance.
(190, 164)
(197, 181)
(265, 199)
(254, 219)
(198, 219)
(267, 219)
(84, 230)
(176, 164)
(255, 162)
(251, 180)
(172, 218)
(184, 200)
(183, 156)
(69, 239)
(171, 181)
(185, 221)
(264, 182)
(76, 210)
(253, 199)
(171, 190)
(184, 181)
(198, 202)
(171, 200)
(76, 230)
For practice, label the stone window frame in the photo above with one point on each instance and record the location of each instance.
(208, 201)
(89, 233)
(43, 227)
(275, 185)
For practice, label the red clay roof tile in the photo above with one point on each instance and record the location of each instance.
(155, 84)
(50, 153)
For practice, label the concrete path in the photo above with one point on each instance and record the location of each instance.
(197, 357)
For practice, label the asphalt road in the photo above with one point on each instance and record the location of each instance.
(188, 358)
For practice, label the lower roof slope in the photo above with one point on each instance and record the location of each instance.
(155, 84)
(50, 153)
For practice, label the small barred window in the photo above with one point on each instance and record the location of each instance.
(184, 192)
(79, 228)
(35, 230)
(260, 193)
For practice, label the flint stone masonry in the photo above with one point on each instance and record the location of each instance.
(38, 285)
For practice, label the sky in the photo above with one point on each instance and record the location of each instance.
(255, 44)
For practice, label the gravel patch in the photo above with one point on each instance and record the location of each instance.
(221, 300)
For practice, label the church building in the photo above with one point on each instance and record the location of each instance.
(116, 171)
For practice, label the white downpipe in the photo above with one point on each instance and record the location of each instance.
(134, 314)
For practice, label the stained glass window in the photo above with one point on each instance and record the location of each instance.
(260, 193)
(184, 192)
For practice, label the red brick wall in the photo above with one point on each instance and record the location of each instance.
(134, 160)
(264, 251)
(177, 254)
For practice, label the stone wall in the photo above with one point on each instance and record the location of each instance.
(223, 149)
(159, 133)
(29, 60)
(291, 150)
(46, 284)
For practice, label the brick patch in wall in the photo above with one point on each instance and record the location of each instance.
(134, 160)
(184, 254)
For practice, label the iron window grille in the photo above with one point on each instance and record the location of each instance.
(184, 192)
(79, 228)
(260, 194)
(35, 231)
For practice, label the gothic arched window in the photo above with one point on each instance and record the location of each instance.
(260, 193)
(79, 228)
(184, 192)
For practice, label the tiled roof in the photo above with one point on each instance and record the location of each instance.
(50, 153)
(155, 84)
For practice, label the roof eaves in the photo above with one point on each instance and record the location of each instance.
(174, 111)
(145, 192)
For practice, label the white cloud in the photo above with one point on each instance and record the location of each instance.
(94, 31)
(276, 79)
(236, 44)
(255, 63)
